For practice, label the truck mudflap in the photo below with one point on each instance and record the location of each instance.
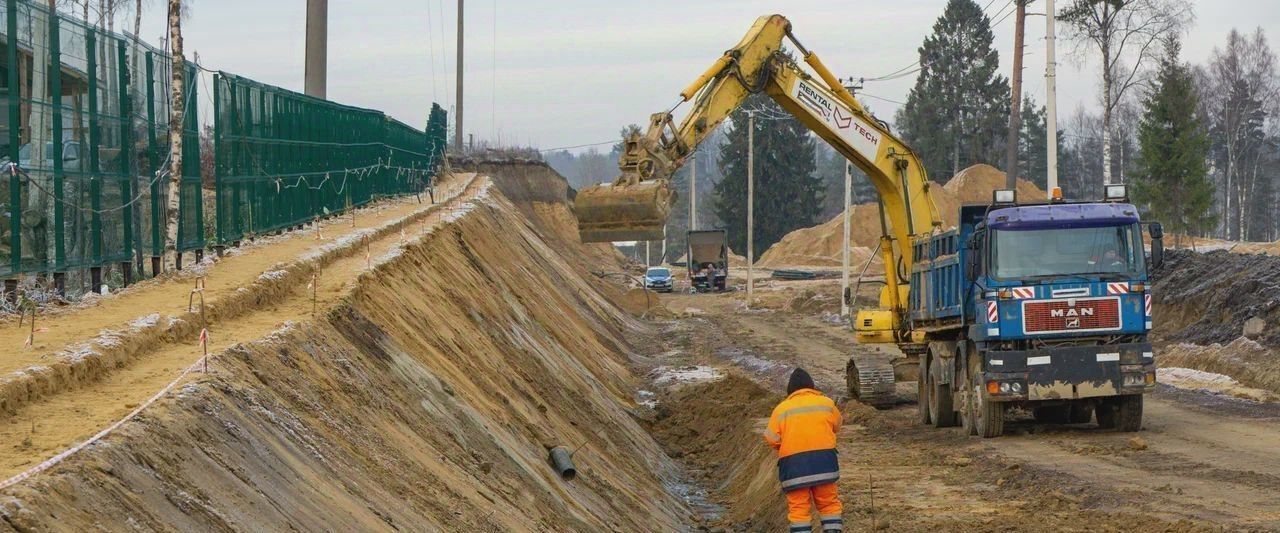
(1070, 372)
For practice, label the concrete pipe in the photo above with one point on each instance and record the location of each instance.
(562, 461)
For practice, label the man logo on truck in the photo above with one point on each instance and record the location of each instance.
(1073, 323)
(1072, 312)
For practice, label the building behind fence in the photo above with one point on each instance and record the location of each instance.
(88, 192)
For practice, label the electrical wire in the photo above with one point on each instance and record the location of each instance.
(431, 51)
(577, 146)
(892, 101)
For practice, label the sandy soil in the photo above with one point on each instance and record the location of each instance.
(424, 396)
(74, 393)
(1203, 460)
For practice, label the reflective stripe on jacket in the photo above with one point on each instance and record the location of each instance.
(803, 430)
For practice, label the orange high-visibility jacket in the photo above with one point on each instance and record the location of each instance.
(803, 430)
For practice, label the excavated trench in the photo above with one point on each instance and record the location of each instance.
(427, 398)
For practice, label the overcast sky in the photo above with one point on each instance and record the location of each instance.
(571, 72)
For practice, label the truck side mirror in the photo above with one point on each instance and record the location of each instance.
(1157, 244)
(973, 253)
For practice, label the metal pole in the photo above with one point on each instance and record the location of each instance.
(1051, 98)
(316, 64)
(1015, 111)
(844, 245)
(751, 184)
(646, 254)
(457, 118)
(693, 193)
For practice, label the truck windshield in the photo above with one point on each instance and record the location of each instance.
(1046, 253)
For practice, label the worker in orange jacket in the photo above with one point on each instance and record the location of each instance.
(803, 429)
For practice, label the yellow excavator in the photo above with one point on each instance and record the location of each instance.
(636, 205)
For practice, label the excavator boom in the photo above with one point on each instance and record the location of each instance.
(636, 205)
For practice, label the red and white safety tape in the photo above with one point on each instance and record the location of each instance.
(49, 463)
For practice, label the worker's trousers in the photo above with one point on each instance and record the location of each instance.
(824, 497)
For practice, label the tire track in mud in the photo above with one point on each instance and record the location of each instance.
(62, 417)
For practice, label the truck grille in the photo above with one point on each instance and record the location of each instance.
(1054, 316)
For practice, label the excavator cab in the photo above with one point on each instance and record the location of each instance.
(636, 205)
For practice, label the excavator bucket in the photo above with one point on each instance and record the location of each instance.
(619, 212)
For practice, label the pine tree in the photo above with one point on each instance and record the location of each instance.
(1033, 156)
(788, 195)
(1172, 179)
(957, 113)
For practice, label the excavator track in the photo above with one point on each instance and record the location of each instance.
(871, 381)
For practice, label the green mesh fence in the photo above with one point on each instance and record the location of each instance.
(83, 108)
(86, 120)
(284, 158)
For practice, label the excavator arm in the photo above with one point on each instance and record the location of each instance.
(636, 205)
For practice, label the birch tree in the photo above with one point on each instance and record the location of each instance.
(1126, 34)
(176, 111)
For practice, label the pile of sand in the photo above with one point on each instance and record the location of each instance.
(820, 245)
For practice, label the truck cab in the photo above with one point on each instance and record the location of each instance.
(1040, 305)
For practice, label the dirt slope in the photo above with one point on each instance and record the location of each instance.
(425, 398)
(820, 245)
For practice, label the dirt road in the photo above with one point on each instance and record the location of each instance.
(1201, 462)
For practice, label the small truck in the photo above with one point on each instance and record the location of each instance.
(708, 259)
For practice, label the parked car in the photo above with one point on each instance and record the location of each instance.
(70, 156)
(658, 279)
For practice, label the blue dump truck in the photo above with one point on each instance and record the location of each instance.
(1040, 306)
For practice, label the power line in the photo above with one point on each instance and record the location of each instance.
(577, 146)
(881, 98)
(431, 50)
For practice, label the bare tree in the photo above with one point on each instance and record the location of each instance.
(177, 110)
(1241, 93)
(1125, 33)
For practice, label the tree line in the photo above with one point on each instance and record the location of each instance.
(1199, 143)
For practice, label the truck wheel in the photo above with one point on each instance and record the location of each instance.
(1121, 413)
(940, 405)
(988, 416)
(1052, 414)
(922, 394)
(1081, 412)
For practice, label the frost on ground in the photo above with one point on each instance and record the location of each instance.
(1212, 383)
(665, 375)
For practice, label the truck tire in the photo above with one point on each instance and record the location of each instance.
(1081, 412)
(941, 409)
(922, 394)
(987, 417)
(1121, 413)
(1052, 414)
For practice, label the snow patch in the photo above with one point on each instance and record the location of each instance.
(665, 375)
(272, 275)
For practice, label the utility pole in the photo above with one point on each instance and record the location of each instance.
(693, 192)
(317, 54)
(457, 119)
(844, 244)
(1015, 112)
(751, 201)
(1051, 97)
